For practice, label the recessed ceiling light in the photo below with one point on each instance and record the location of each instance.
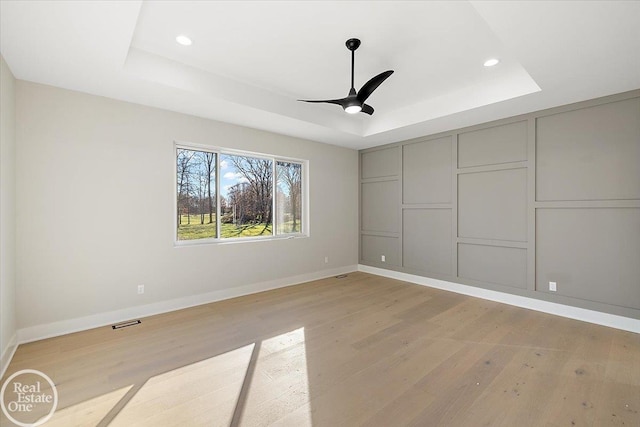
(491, 62)
(184, 40)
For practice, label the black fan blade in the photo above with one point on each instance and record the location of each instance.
(328, 101)
(367, 109)
(372, 84)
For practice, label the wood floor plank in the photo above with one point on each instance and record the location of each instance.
(357, 351)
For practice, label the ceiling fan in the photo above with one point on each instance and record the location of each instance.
(354, 102)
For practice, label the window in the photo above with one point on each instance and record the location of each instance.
(247, 196)
(225, 195)
(289, 196)
(196, 194)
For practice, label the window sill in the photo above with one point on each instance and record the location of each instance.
(234, 240)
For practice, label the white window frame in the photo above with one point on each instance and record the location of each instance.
(220, 151)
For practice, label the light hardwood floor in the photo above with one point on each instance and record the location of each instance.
(357, 351)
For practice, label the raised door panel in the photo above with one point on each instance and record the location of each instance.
(375, 247)
(426, 172)
(426, 240)
(380, 163)
(493, 205)
(589, 154)
(494, 145)
(380, 206)
(591, 254)
(493, 264)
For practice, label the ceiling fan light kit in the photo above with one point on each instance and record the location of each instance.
(355, 101)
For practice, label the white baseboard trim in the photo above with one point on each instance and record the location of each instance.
(591, 316)
(63, 327)
(7, 354)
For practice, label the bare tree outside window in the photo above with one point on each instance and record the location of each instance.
(196, 198)
(241, 189)
(289, 185)
(248, 185)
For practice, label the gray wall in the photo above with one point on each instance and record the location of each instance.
(95, 180)
(515, 204)
(7, 212)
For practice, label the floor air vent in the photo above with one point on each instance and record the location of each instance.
(126, 324)
(341, 276)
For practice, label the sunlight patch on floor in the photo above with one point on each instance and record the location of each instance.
(262, 383)
(203, 393)
(280, 384)
(87, 413)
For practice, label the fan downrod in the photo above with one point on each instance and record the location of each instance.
(353, 44)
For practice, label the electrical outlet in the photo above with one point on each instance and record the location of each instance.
(326, 260)
(383, 258)
(552, 286)
(140, 289)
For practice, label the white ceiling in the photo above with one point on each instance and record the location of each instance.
(251, 61)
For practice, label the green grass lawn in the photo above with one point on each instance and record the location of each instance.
(287, 227)
(195, 230)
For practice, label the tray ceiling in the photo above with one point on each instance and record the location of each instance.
(250, 61)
